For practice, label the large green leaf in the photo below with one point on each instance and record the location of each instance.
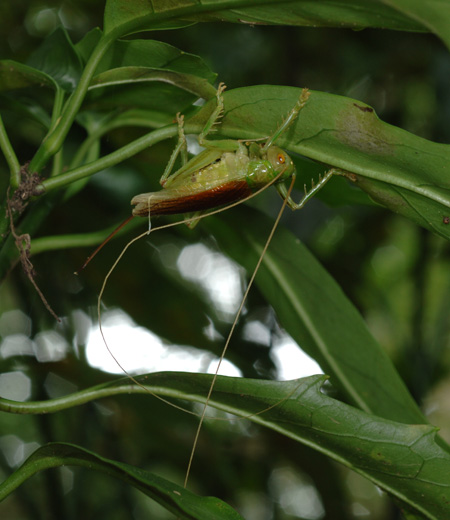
(346, 133)
(173, 497)
(125, 16)
(404, 460)
(432, 14)
(317, 314)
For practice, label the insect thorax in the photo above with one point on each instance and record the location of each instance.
(259, 173)
(230, 166)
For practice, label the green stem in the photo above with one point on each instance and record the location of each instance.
(104, 129)
(107, 161)
(56, 137)
(57, 108)
(10, 156)
(116, 387)
(53, 243)
(57, 163)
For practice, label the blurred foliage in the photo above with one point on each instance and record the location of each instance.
(394, 272)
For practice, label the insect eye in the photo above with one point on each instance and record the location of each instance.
(281, 158)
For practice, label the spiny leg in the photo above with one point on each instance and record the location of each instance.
(283, 191)
(289, 119)
(215, 116)
(180, 148)
(228, 145)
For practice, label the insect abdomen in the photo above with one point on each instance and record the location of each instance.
(171, 202)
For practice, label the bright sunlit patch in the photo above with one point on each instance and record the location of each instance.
(15, 386)
(140, 351)
(296, 494)
(15, 450)
(16, 345)
(14, 322)
(291, 361)
(217, 275)
(226, 368)
(50, 346)
(134, 347)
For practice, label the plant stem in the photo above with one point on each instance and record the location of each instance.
(10, 156)
(56, 137)
(102, 130)
(57, 107)
(52, 243)
(108, 160)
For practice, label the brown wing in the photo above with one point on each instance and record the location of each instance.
(171, 202)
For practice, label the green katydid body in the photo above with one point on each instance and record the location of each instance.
(214, 178)
(226, 171)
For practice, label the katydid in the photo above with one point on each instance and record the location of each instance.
(227, 171)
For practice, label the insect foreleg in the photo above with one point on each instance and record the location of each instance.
(228, 145)
(181, 148)
(290, 118)
(283, 191)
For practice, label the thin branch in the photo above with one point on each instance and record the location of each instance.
(10, 156)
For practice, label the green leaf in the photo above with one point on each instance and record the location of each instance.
(58, 58)
(132, 75)
(150, 75)
(15, 75)
(153, 54)
(25, 107)
(125, 16)
(404, 460)
(317, 314)
(86, 46)
(432, 14)
(347, 134)
(173, 497)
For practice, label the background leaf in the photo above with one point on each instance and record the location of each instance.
(58, 58)
(126, 17)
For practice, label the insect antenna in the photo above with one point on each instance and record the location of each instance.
(230, 334)
(108, 275)
(107, 239)
(203, 415)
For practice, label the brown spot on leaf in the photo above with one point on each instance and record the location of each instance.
(363, 108)
(362, 130)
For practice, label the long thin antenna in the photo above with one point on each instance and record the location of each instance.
(107, 239)
(230, 334)
(108, 275)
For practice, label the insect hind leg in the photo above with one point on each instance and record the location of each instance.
(323, 179)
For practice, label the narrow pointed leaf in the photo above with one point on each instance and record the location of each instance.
(173, 497)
